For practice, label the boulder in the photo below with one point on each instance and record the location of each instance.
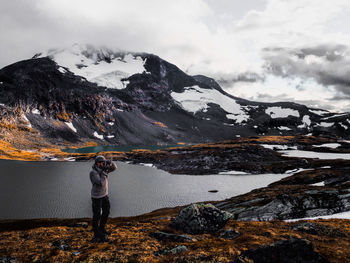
(200, 218)
(229, 234)
(8, 260)
(291, 250)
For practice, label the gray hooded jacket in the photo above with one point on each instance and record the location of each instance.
(99, 180)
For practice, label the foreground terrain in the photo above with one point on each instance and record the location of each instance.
(54, 240)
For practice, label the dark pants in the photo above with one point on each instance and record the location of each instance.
(99, 220)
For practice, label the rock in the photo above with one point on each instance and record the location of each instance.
(162, 236)
(59, 244)
(75, 253)
(173, 251)
(317, 229)
(79, 224)
(8, 260)
(291, 250)
(200, 218)
(286, 207)
(229, 234)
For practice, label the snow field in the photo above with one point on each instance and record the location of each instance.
(195, 99)
(279, 112)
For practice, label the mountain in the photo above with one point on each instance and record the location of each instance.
(85, 93)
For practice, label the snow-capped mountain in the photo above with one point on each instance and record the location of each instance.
(83, 93)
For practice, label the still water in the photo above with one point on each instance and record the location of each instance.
(62, 189)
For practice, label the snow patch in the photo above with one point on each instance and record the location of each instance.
(35, 111)
(326, 124)
(110, 123)
(147, 164)
(110, 136)
(335, 115)
(318, 184)
(98, 135)
(275, 146)
(328, 145)
(284, 128)
(194, 99)
(29, 125)
(318, 112)
(306, 120)
(344, 126)
(297, 170)
(343, 215)
(279, 112)
(84, 61)
(70, 125)
(319, 155)
(232, 173)
(62, 70)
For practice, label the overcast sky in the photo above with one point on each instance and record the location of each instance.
(265, 50)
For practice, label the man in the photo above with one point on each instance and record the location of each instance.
(99, 196)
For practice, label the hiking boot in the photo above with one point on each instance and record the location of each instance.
(100, 239)
(104, 231)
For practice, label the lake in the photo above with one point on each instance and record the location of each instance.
(62, 189)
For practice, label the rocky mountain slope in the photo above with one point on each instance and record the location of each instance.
(85, 94)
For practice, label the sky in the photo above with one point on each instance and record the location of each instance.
(262, 50)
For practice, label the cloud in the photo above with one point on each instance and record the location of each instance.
(329, 65)
(272, 42)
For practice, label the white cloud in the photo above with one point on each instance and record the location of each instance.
(219, 42)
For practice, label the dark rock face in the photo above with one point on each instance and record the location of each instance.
(293, 250)
(284, 207)
(162, 236)
(200, 218)
(294, 197)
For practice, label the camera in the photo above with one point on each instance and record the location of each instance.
(107, 166)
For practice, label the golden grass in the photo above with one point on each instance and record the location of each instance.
(7, 151)
(131, 242)
(63, 116)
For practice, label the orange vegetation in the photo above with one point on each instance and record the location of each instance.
(130, 240)
(160, 124)
(63, 116)
(7, 151)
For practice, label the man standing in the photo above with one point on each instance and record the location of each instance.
(99, 196)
